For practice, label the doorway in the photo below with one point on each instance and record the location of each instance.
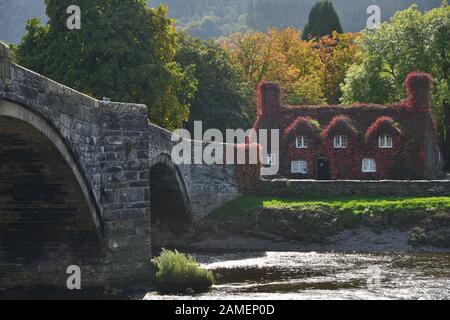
(323, 169)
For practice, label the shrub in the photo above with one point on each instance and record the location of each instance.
(176, 273)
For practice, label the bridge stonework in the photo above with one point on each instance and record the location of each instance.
(206, 186)
(108, 148)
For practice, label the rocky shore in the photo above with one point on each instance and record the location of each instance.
(357, 240)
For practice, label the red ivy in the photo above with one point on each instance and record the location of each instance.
(247, 175)
(418, 89)
(361, 123)
(340, 125)
(301, 126)
(382, 125)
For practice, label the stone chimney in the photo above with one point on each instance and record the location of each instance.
(5, 63)
(419, 89)
(268, 99)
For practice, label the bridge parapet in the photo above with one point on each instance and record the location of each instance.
(208, 185)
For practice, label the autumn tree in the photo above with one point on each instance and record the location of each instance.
(337, 54)
(296, 66)
(280, 56)
(251, 53)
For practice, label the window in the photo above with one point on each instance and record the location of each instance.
(299, 166)
(271, 159)
(385, 141)
(340, 142)
(369, 165)
(301, 142)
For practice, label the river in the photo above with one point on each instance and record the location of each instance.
(302, 275)
(311, 275)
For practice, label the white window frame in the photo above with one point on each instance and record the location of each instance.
(385, 141)
(369, 165)
(340, 142)
(299, 166)
(271, 159)
(301, 142)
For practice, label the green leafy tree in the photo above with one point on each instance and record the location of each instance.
(323, 20)
(220, 101)
(124, 51)
(410, 41)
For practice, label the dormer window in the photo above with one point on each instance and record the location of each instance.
(301, 142)
(385, 141)
(340, 142)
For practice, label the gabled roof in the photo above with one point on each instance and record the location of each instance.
(302, 126)
(340, 125)
(383, 124)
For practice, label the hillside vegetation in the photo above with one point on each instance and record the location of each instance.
(215, 18)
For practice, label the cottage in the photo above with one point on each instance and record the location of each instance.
(363, 142)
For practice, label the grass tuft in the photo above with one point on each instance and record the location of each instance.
(177, 273)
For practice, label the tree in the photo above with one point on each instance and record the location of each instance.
(124, 51)
(220, 101)
(309, 72)
(337, 53)
(251, 53)
(390, 52)
(323, 20)
(296, 65)
(280, 56)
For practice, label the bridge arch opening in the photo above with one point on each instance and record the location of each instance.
(169, 204)
(46, 221)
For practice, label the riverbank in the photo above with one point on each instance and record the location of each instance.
(362, 224)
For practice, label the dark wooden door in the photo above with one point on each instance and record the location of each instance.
(323, 169)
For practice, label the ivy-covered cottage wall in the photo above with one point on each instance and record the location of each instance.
(414, 153)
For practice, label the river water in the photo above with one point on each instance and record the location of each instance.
(311, 275)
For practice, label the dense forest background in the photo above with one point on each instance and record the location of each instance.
(215, 18)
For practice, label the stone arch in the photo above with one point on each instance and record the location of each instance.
(17, 111)
(169, 202)
(166, 159)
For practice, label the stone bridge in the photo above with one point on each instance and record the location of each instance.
(82, 181)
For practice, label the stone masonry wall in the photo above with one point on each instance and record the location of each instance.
(285, 187)
(207, 186)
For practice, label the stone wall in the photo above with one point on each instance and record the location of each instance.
(207, 186)
(285, 187)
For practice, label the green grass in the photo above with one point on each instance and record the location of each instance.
(241, 207)
(314, 219)
(176, 272)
